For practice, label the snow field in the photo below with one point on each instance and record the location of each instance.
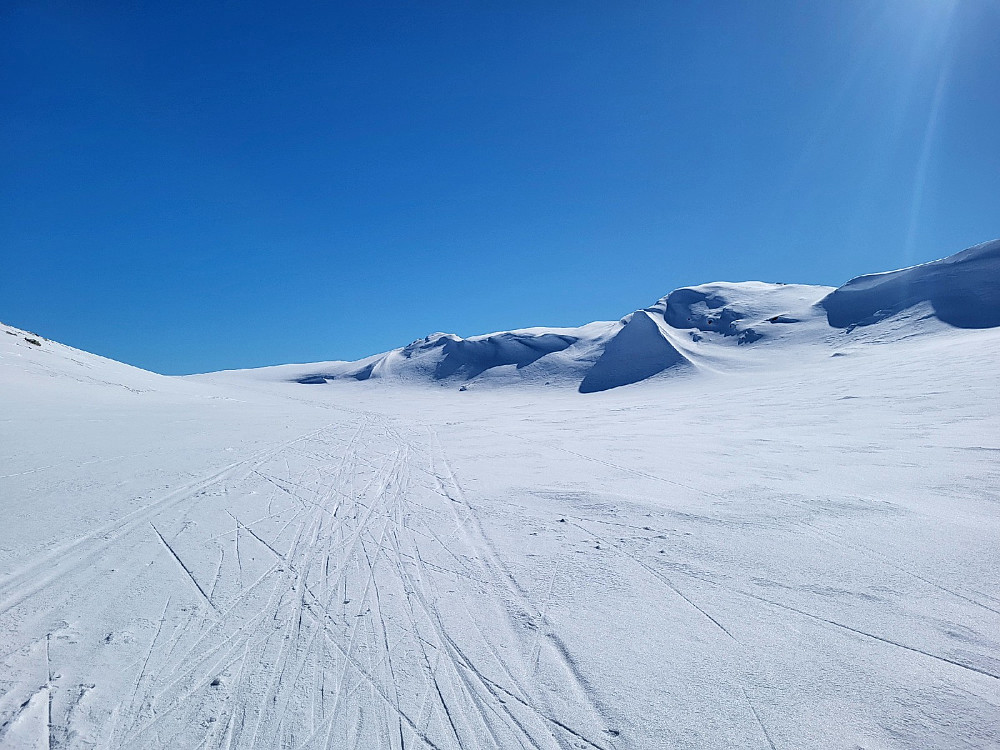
(787, 543)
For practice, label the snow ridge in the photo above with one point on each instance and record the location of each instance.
(718, 326)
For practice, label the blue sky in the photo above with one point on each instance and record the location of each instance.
(196, 186)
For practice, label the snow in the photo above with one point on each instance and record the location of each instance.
(784, 542)
(962, 290)
(638, 351)
(693, 326)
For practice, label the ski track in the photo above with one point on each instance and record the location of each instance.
(343, 590)
(287, 658)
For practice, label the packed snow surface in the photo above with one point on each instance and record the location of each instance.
(770, 521)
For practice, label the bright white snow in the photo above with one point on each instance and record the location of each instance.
(784, 541)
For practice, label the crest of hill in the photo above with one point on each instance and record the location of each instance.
(28, 360)
(719, 326)
(963, 290)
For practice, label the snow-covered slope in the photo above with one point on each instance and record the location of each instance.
(712, 326)
(781, 534)
(28, 360)
(963, 291)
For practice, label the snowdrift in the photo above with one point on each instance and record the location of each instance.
(530, 355)
(964, 291)
(638, 351)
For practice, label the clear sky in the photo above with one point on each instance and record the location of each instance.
(190, 186)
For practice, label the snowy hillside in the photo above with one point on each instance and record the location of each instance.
(963, 290)
(694, 326)
(771, 522)
(690, 328)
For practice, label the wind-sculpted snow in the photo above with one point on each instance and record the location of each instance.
(717, 326)
(637, 352)
(473, 357)
(692, 325)
(443, 357)
(703, 309)
(744, 311)
(964, 291)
